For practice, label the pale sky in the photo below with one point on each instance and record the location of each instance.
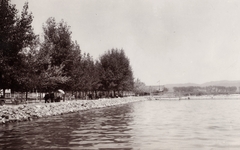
(171, 41)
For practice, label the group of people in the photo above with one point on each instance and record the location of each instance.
(100, 95)
(50, 97)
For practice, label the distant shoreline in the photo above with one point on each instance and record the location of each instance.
(204, 97)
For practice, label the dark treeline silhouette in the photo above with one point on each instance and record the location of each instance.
(55, 61)
(196, 90)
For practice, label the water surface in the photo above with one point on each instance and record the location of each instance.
(160, 124)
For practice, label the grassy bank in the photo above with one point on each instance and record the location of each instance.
(27, 112)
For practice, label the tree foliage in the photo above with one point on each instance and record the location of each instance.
(140, 88)
(56, 55)
(55, 61)
(115, 71)
(16, 34)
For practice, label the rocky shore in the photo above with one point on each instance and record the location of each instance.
(27, 112)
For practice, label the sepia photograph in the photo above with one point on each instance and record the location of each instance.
(120, 74)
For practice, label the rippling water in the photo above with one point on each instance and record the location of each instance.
(160, 124)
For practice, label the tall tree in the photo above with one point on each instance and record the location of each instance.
(56, 54)
(8, 19)
(16, 34)
(27, 75)
(57, 41)
(75, 72)
(90, 76)
(115, 71)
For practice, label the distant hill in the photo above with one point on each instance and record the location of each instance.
(225, 83)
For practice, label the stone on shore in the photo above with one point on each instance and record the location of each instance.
(27, 112)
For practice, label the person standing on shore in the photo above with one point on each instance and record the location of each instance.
(46, 98)
(52, 97)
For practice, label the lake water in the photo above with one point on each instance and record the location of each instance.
(159, 124)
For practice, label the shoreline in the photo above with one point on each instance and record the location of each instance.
(204, 97)
(28, 112)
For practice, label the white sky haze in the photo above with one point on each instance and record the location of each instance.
(174, 41)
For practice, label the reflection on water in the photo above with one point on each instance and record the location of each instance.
(159, 124)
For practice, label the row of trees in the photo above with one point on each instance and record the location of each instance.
(141, 89)
(196, 90)
(54, 61)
